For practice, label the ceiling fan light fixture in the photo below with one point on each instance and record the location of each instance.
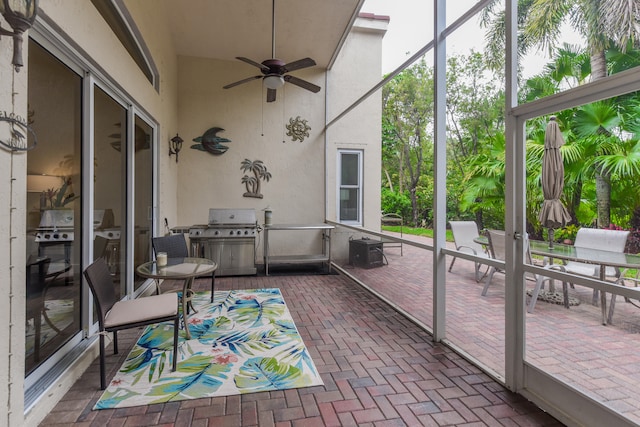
(274, 82)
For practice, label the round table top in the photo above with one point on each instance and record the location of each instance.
(177, 268)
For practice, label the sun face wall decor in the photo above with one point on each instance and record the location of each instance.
(298, 129)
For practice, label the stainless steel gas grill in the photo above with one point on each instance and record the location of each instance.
(229, 239)
(56, 232)
(57, 226)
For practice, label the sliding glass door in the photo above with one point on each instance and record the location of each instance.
(143, 195)
(76, 116)
(53, 285)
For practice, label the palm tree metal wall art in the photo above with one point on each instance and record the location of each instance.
(252, 183)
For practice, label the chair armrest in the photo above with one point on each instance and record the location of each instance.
(557, 267)
(467, 247)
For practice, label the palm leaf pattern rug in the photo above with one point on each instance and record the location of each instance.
(243, 342)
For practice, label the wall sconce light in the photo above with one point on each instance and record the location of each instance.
(20, 15)
(175, 145)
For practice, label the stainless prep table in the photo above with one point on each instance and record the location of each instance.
(325, 256)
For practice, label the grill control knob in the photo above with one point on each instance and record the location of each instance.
(47, 236)
(246, 232)
(231, 233)
(64, 235)
(56, 236)
(239, 232)
(215, 233)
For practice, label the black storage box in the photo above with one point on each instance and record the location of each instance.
(365, 253)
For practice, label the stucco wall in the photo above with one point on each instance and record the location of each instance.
(357, 69)
(295, 191)
(299, 190)
(13, 90)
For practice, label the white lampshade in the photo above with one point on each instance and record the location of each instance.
(273, 81)
(40, 183)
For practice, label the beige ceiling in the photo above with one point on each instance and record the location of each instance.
(225, 29)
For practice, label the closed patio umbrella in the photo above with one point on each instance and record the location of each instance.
(553, 213)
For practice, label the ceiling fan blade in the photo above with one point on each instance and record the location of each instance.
(271, 95)
(254, 63)
(248, 79)
(302, 83)
(299, 64)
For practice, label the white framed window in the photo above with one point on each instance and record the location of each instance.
(350, 187)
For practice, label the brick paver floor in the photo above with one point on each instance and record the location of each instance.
(379, 369)
(570, 344)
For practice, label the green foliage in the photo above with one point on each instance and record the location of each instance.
(568, 232)
(602, 138)
(393, 202)
(407, 140)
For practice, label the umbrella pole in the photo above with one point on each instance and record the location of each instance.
(550, 231)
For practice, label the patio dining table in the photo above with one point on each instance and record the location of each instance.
(186, 269)
(598, 257)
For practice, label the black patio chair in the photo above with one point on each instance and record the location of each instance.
(114, 315)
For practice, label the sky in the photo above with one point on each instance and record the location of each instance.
(411, 27)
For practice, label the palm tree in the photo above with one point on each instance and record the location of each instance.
(602, 23)
(484, 185)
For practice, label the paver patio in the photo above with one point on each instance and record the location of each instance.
(379, 369)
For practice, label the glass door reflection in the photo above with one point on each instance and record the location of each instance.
(53, 285)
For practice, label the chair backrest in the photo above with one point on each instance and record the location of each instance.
(597, 238)
(100, 247)
(174, 245)
(102, 287)
(497, 244)
(463, 234)
(36, 271)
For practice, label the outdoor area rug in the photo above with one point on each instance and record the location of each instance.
(243, 342)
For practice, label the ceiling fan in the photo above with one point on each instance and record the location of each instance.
(274, 71)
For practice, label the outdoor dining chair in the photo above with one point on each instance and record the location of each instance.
(175, 246)
(114, 315)
(392, 219)
(591, 238)
(621, 281)
(595, 238)
(497, 250)
(464, 233)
